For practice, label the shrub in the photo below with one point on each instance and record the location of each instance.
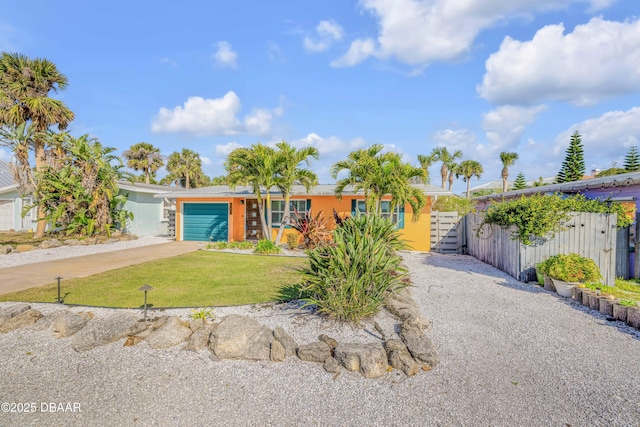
(241, 245)
(205, 314)
(266, 247)
(453, 204)
(542, 216)
(571, 268)
(293, 240)
(313, 229)
(351, 279)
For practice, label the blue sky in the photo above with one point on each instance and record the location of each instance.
(479, 76)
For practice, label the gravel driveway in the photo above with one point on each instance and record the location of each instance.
(511, 354)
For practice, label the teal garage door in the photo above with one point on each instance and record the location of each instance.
(205, 222)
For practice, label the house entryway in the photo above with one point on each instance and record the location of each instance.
(253, 227)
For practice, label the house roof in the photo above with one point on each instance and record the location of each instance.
(222, 191)
(613, 181)
(7, 183)
(141, 187)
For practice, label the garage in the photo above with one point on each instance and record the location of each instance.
(6, 214)
(205, 222)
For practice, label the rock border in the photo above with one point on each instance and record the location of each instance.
(56, 243)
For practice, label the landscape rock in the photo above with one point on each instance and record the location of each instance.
(400, 358)
(328, 340)
(173, 332)
(13, 310)
(71, 242)
(112, 240)
(368, 359)
(50, 243)
(315, 352)
(25, 318)
(196, 324)
(136, 339)
(68, 323)
(89, 241)
(633, 317)
(404, 306)
(241, 337)
(5, 249)
(331, 365)
(286, 340)
(105, 330)
(419, 345)
(24, 248)
(199, 340)
(277, 351)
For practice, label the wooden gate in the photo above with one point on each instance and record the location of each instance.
(447, 234)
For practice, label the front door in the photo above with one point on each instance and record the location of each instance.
(253, 227)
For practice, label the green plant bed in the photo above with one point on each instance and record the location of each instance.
(197, 279)
(623, 290)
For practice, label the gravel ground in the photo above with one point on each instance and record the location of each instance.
(511, 354)
(14, 259)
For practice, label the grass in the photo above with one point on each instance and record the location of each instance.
(197, 279)
(624, 289)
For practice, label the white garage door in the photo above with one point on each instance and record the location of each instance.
(6, 214)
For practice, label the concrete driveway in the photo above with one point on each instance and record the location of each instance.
(27, 276)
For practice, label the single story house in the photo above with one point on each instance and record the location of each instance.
(12, 203)
(152, 216)
(219, 213)
(624, 188)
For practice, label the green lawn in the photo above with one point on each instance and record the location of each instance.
(623, 290)
(197, 279)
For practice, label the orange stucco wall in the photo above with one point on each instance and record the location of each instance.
(416, 233)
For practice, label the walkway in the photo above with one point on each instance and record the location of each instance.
(27, 276)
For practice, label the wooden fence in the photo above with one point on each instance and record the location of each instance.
(447, 233)
(590, 235)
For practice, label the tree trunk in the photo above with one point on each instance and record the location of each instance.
(269, 221)
(40, 164)
(468, 187)
(186, 180)
(146, 177)
(287, 212)
(444, 173)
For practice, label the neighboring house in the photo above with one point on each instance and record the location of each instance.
(219, 213)
(151, 215)
(624, 188)
(12, 203)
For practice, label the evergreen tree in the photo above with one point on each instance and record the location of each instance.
(520, 183)
(632, 160)
(573, 166)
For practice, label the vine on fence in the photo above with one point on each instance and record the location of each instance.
(542, 216)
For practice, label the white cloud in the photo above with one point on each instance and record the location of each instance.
(459, 139)
(274, 52)
(225, 56)
(505, 125)
(206, 161)
(332, 146)
(223, 150)
(218, 116)
(168, 61)
(598, 60)
(328, 32)
(419, 32)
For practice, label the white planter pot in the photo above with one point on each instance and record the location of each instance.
(564, 288)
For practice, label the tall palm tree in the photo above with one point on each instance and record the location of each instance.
(144, 157)
(425, 163)
(452, 173)
(255, 166)
(507, 159)
(289, 173)
(25, 85)
(448, 160)
(364, 167)
(467, 169)
(184, 166)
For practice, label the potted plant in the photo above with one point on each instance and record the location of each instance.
(567, 270)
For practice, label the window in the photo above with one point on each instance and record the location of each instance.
(397, 216)
(277, 209)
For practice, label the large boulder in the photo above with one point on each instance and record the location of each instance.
(172, 332)
(277, 352)
(105, 330)
(288, 343)
(368, 359)
(315, 352)
(419, 345)
(400, 358)
(402, 305)
(68, 323)
(72, 242)
(241, 337)
(20, 320)
(5, 249)
(50, 243)
(13, 310)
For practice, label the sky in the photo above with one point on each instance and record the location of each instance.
(479, 76)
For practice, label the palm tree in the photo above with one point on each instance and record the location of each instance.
(144, 157)
(25, 85)
(379, 175)
(448, 160)
(425, 163)
(507, 159)
(184, 166)
(467, 169)
(19, 139)
(289, 173)
(255, 166)
(452, 173)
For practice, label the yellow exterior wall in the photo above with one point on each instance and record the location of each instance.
(417, 234)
